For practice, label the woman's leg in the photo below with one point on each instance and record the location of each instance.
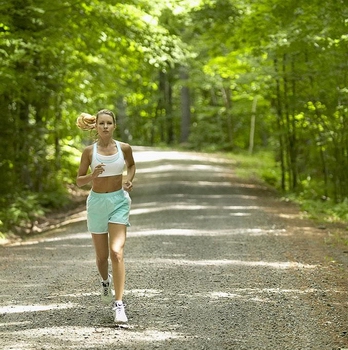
(101, 247)
(117, 240)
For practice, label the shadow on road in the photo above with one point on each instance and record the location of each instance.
(213, 262)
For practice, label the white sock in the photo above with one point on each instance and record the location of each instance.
(118, 302)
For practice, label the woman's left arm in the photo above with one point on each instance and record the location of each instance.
(130, 164)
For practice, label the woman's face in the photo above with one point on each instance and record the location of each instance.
(105, 125)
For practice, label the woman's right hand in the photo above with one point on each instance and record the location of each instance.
(99, 169)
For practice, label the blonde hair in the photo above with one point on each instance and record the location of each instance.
(87, 121)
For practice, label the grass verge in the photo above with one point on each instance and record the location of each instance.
(263, 167)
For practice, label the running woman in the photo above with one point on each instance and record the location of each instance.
(108, 203)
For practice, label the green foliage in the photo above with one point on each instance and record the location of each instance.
(21, 212)
(337, 237)
(260, 166)
(324, 210)
(61, 59)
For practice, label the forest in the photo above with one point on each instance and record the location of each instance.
(214, 75)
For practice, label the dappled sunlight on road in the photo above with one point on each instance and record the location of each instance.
(187, 206)
(211, 263)
(143, 156)
(54, 238)
(260, 295)
(89, 337)
(209, 233)
(148, 293)
(10, 309)
(170, 168)
(265, 294)
(184, 262)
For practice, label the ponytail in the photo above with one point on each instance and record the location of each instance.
(86, 121)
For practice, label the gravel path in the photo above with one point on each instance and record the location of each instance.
(213, 262)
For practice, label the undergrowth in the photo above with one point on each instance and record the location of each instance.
(21, 211)
(263, 167)
(18, 214)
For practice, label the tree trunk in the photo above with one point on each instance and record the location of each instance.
(226, 93)
(185, 106)
(167, 106)
(280, 127)
(121, 119)
(252, 125)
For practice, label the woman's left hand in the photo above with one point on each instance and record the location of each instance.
(128, 186)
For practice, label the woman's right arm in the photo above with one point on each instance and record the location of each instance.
(82, 177)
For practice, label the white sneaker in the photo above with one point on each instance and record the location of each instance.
(106, 291)
(120, 314)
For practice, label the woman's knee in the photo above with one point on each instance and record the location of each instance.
(101, 259)
(116, 255)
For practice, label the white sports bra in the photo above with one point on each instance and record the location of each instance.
(114, 163)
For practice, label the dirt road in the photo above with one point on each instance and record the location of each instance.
(213, 262)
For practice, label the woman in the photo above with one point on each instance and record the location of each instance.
(108, 203)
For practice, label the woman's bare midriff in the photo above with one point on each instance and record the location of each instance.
(107, 184)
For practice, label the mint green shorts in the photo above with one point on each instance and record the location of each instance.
(105, 208)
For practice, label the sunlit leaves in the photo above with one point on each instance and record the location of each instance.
(61, 58)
